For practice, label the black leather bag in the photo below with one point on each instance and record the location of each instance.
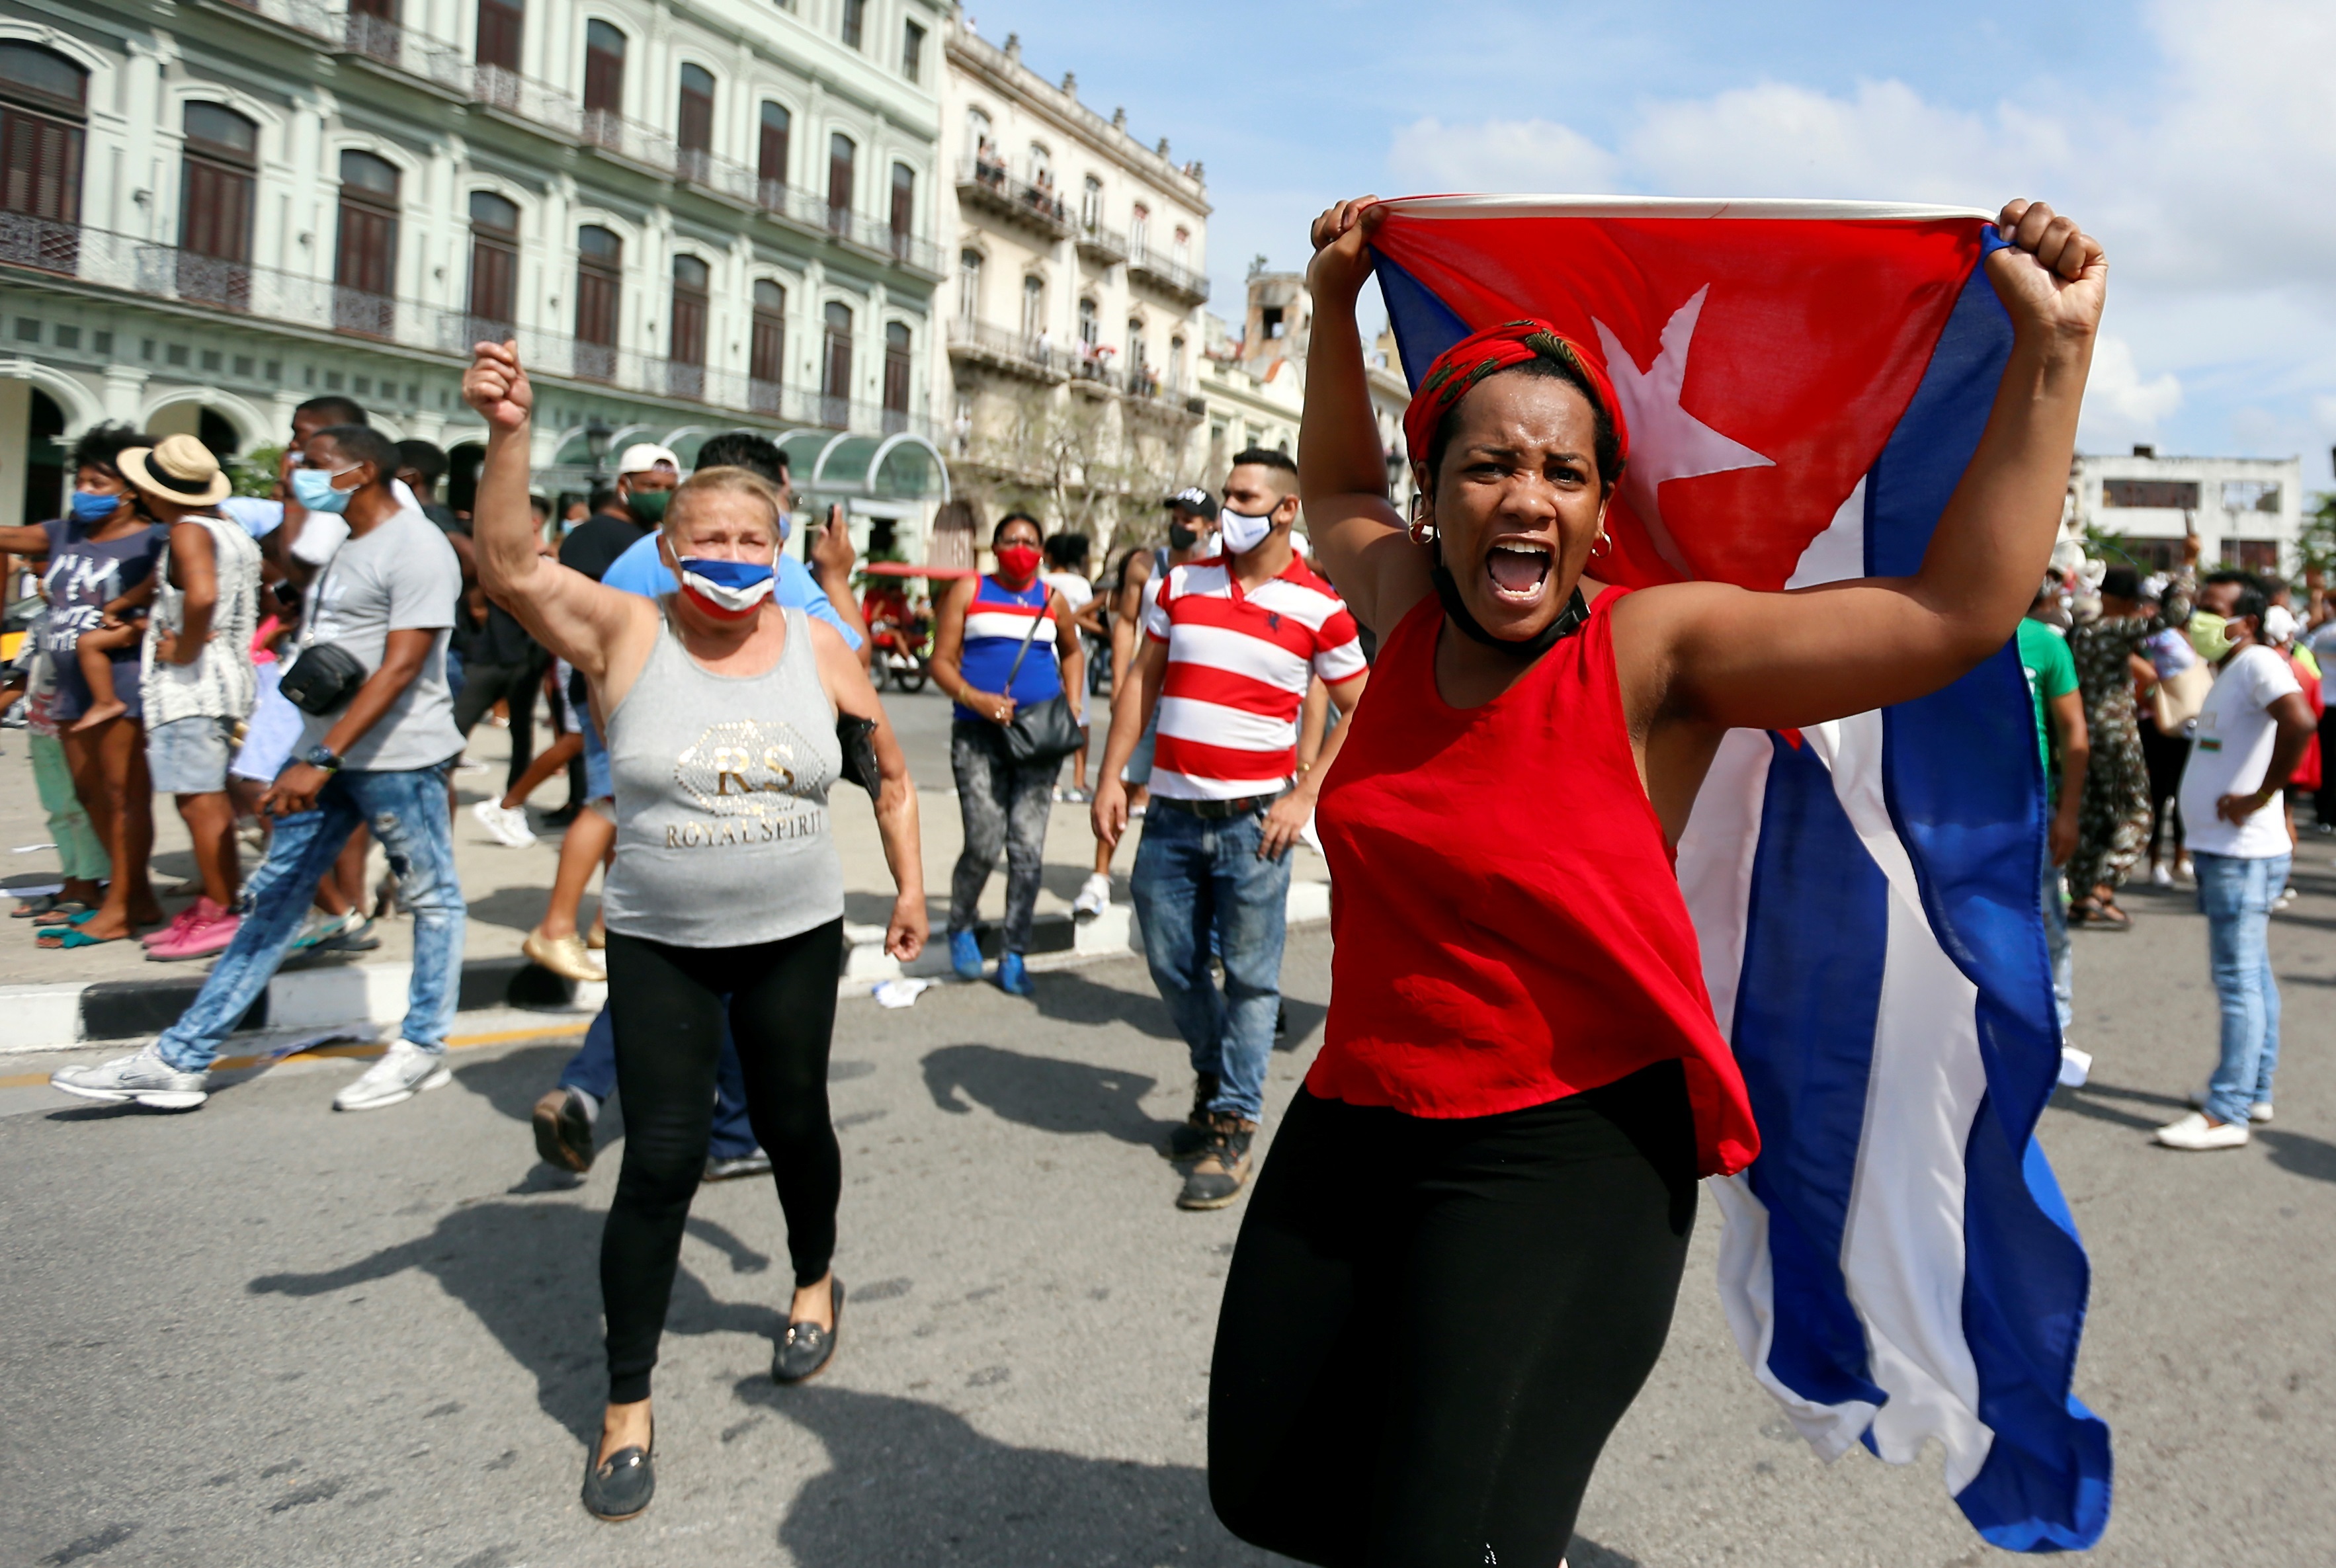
(1045, 732)
(323, 679)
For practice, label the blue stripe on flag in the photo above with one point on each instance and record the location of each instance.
(1424, 327)
(1816, 931)
(1962, 780)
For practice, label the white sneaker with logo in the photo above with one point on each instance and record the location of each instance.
(1094, 897)
(506, 827)
(142, 1077)
(2195, 1133)
(404, 1070)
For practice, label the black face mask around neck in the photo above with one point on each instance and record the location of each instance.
(1568, 621)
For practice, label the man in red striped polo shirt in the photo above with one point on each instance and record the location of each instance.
(1230, 646)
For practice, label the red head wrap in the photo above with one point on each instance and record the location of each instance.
(1479, 355)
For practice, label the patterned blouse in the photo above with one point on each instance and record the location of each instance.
(222, 683)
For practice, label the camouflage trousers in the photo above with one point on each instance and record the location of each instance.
(2113, 823)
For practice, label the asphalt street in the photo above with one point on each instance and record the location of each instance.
(264, 1334)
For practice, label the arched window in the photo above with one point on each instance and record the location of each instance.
(692, 134)
(1139, 231)
(1182, 253)
(494, 264)
(685, 320)
(1090, 333)
(896, 360)
(600, 274)
(767, 351)
(216, 174)
(835, 373)
(1136, 356)
(1034, 305)
(1090, 205)
(968, 286)
(842, 156)
(604, 69)
(987, 167)
(365, 265)
(1042, 167)
(44, 99)
(904, 208)
(771, 155)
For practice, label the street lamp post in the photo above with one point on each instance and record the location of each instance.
(595, 443)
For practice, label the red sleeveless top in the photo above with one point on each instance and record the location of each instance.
(1506, 921)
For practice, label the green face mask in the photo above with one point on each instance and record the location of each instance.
(2210, 635)
(647, 506)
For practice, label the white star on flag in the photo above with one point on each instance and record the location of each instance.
(1666, 441)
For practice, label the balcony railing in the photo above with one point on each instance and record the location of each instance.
(1028, 352)
(985, 181)
(1097, 243)
(105, 259)
(1171, 277)
(301, 15)
(401, 49)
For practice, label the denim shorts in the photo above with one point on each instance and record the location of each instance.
(270, 733)
(598, 784)
(187, 757)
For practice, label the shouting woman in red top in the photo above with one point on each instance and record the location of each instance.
(1460, 1261)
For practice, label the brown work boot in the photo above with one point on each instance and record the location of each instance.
(1190, 1135)
(1217, 1177)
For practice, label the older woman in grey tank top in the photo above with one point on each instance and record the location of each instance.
(721, 711)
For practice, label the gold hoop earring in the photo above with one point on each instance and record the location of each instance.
(1600, 546)
(1421, 530)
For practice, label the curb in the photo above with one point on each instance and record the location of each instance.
(322, 993)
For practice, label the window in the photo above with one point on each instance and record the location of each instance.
(1182, 251)
(896, 360)
(912, 51)
(494, 264)
(968, 286)
(835, 374)
(1135, 355)
(365, 265)
(215, 202)
(501, 23)
(42, 96)
(2250, 495)
(2260, 556)
(840, 156)
(1269, 323)
(1042, 167)
(1090, 205)
(1034, 306)
(604, 69)
(986, 167)
(1089, 332)
(1139, 225)
(855, 19)
(685, 328)
(904, 206)
(599, 271)
(693, 121)
(767, 349)
(771, 154)
(2171, 494)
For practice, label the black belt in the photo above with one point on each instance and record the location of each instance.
(1219, 811)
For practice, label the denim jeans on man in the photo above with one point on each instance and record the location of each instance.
(406, 810)
(1192, 874)
(2056, 942)
(593, 1070)
(2236, 896)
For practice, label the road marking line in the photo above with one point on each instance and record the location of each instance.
(454, 1042)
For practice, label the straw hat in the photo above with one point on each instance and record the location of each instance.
(177, 468)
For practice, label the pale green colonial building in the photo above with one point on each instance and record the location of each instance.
(693, 215)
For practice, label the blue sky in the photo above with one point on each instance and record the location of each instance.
(2196, 137)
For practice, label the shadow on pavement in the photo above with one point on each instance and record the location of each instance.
(529, 1272)
(2295, 1153)
(1072, 997)
(513, 1082)
(1044, 1092)
(515, 909)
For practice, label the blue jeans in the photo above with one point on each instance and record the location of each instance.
(2236, 895)
(2055, 943)
(407, 812)
(1192, 875)
(593, 1070)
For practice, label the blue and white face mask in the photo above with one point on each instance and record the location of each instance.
(727, 588)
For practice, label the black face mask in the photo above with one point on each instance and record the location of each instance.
(1569, 620)
(1182, 535)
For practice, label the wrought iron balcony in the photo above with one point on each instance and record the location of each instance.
(985, 183)
(1172, 278)
(1103, 245)
(1029, 355)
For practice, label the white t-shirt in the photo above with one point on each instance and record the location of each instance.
(2232, 751)
(1076, 590)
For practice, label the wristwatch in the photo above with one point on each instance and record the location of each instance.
(322, 756)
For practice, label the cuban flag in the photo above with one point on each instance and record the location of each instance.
(1804, 382)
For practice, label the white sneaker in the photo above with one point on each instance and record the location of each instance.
(2194, 1132)
(506, 827)
(2076, 1066)
(404, 1070)
(142, 1076)
(1094, 897)
(2260, 1111)
(2159, 877)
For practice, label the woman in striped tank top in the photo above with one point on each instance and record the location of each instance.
(985, 623)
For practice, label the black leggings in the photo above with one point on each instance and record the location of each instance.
(1431, 1327)
(666, 1004)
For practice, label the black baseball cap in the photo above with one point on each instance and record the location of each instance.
(1194, 501)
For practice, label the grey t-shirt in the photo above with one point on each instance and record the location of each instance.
(401, 577)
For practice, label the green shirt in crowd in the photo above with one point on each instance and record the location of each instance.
(2051, 672)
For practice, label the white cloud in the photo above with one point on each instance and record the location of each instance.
(2119, 406)
(1500, 155)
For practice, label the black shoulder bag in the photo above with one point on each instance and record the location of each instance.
(1045, 732)
(325, 675)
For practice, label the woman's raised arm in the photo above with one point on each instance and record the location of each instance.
(568, 612)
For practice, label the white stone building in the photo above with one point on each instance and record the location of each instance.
(2247, 511)
(1072, 336)
(693, 215)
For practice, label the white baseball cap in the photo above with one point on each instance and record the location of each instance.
(644, 455)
